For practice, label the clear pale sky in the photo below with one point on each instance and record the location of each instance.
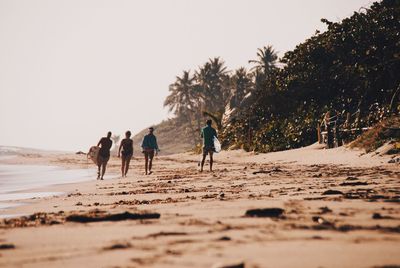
(72, 70)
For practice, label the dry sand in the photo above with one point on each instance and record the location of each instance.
(202, 216)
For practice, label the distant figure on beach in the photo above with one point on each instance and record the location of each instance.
(126, 154)
(105, 144)
(208, 133)
(149, 148)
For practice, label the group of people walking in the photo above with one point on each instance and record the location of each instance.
(149, 149)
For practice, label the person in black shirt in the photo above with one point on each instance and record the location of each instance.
(126, 153)
(105, 144)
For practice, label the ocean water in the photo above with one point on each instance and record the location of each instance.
(22, 182)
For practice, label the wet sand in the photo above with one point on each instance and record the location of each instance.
(299, 208)
(19, 182)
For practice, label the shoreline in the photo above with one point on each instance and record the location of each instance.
(24, 193)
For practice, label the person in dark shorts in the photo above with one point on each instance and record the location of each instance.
(105, 144)
(126, 153)
(149, 147)
(208, 133)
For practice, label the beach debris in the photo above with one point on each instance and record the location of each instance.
(395, 199)
(229, 265)
(146, 202)
(355, 183)
(265, 212)
(36, 219)
(78, 204)
(351, 179)
(317, 237)
(118, 246)
(76, 194)
(378, 196)
(347, 228)
(42, 218)
(318, 175)
(394, 160)
(332, 192)
(378, 216)
(6, 246)
(173, 252)
(276, 169)
(166, 234)
(325, 210)
(224, 238)
(209, 196)
(323, 223)
(313, 198)
(97, 217)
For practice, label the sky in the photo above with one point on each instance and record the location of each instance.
(72, 70)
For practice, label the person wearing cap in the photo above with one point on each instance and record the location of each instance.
(149, 148)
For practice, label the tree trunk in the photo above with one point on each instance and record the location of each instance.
(393, 107)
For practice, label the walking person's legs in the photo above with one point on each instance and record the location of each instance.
(151, 156)
(203, 159)
(103, 170)
(211, 160)
(103, 163)
(127, 161)
(98, 170)
(123, 161)
(146, 161)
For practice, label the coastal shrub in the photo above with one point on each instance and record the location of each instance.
(382, 132)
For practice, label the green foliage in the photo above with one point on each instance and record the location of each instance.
(351, 70)
(204, 95)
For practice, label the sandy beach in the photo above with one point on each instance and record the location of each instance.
(308, 207)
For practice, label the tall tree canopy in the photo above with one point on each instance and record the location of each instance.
(352, 70)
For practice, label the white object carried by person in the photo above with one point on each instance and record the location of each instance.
(217, 145)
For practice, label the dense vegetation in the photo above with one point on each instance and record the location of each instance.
(351, 70)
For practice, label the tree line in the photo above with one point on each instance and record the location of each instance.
(351, 70)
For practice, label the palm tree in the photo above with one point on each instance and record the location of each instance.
(267, 60)
(212, 79)
(182, 97)
(184, 100)
(241, 84)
